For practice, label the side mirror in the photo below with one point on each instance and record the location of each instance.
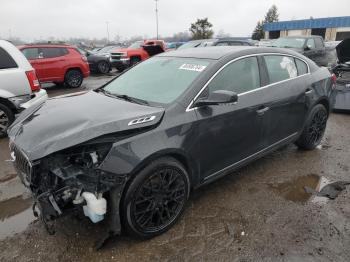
(216, 98)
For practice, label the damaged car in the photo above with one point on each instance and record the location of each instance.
(342, 71)
(165, 127)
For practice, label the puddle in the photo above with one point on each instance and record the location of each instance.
(294, 190)
(15, 215)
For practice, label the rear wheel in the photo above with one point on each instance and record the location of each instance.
(103, 67)
(73, 78)
(314, 128)
(155, 198)
(6, 119)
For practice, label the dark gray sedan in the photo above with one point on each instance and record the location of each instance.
(134, 149)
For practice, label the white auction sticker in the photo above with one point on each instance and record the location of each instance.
(191, 67)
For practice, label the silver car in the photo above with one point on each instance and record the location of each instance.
(20, 87)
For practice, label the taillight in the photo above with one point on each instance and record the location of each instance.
(33, 80)
(84, 58)
(334, 80)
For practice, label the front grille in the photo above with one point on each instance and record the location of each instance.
(22, 165)
(116, 56)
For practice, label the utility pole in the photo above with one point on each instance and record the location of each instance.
(107, 23)
(157, 16)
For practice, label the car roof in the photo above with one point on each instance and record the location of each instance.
(301, 36)
(218, 52)
(45, 45)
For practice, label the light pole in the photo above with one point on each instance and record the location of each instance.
(157, 17)
(107, 32)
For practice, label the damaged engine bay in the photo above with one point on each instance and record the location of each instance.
(70, 181)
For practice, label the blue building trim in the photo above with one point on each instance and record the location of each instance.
(329, 22)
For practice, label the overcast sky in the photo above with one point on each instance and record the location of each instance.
(37, 19)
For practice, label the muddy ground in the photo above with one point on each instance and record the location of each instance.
(260, 213)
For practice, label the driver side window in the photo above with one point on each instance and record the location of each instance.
(240, 76)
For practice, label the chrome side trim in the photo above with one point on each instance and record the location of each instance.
(141, 120)
(251, 91)
(251, 156)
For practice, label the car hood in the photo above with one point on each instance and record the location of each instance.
(343, 51)
(70, 120)
(123, 50)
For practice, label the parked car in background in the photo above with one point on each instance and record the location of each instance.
(19, 85)
(312, 47)
(57, 63)
(265, 42)
(342, 71)
(167, 126)
(216, 42)
(123, 58)
(98, 63)
(232, 42)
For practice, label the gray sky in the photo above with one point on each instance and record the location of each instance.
(37, 19)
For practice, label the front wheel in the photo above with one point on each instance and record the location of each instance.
(73, 78)
(103, 67)
(314, 129)
(156, 198)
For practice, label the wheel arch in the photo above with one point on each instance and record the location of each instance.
(179, 155)
(325, 102)
(72, 68)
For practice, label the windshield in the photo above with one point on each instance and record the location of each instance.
(196, 44)
(159, 80)
(289, 42)
(136, 45)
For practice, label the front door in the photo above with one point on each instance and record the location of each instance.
(229, 133)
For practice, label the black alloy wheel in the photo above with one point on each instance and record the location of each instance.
(156, 198)
(6, 119)
(103, 67)
(314, 128)
(73, 78)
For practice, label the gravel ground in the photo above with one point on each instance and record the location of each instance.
(260, 213)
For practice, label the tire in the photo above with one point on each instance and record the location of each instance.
(73, 78)
(103, 67)
(156, 198)
(120, 68)
(6, 119)
(134, 60)
(314, 128)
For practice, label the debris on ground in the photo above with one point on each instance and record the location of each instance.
(331, 190)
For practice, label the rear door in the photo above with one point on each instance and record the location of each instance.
(229, 133)
(286, 97)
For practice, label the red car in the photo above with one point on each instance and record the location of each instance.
(141, 50)
(57, 63)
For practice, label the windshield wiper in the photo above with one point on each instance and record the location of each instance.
(131, 99)
(124, 97)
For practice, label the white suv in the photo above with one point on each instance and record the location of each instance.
(19, 86)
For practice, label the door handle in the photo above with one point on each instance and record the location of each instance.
(309, 91)
(262, 111)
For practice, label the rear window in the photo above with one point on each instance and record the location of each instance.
(301, 66)
(6, 61)
(280, 68)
